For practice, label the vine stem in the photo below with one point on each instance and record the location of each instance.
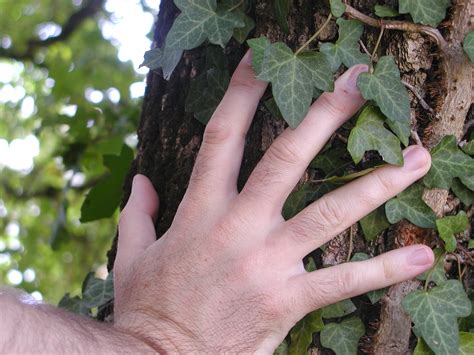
(351, 242)
(313, 37)
(377, 44)
(239, 4)
(399, 25)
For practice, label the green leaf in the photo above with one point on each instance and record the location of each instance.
(343, 337)
(466, 343)
(293, 78)
(296, 201)
(437, 273)
(281, 9)
(385, 11)
(462, 192)
(468, 148)
(468, 181)
(435, 314)
(374, 223)
(200, 20)
(205, 93)
(337, 8)
(74, 304)
(447, 162)
(241, 33)
(369, 133)
(339, 309)
(451, 225)
(375, 295)
(422, 348)
(311, 265)
(329, 161)
(301, 335)
(468, 45)
(410, 205)
(427, 12)
(346, 49)
(166, 59)
(282, 349)
(258, 45)
(98, 292)
(104, 198)
(386, 89)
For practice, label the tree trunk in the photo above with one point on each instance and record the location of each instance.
(440, 78)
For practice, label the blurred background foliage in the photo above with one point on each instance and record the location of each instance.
(70, 98)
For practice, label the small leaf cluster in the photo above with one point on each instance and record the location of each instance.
(95, 294)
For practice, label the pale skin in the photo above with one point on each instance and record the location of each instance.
(228, 276)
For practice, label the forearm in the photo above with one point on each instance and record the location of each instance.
(29, 326)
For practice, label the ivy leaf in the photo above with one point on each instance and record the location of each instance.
(281, 9)
(468, 148)
(311, 265)
(74, 304)
(447, 162)
(293, 78)
(200, 20)
(427, 12)
(258, 45)
(375, 295)
(346, 49)
(241, 33)
(468, 45)
(385, 11)
(435, 314)
(329, 161)
(301, 335)
(369, 133)
(98, 292)
(386, 89)
(410, 205)
(422, 348)
(282, 349)
(339, 309)
(296, 201)
(437, 273)
(337, 7)
(205, 93)
(468, 181)
(451, 225)
(104, 198)
(374, 223)
(466, 343)
(166, 59)
(343, 337)
(462, 192)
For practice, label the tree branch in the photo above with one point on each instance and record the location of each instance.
(398, 25)
(90, 8)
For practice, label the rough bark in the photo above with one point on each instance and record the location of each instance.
(440, 81)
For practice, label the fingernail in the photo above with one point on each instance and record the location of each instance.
(420, 257)
(354, 75)
(247, 59)
(414, 158)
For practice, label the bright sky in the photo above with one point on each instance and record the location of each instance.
(127, 30)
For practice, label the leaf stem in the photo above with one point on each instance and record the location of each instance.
(351, 242)
(313, 37)
(239, 4)
(377, 44)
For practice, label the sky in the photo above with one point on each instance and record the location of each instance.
(127, 30)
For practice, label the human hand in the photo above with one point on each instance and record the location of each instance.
(228, 274)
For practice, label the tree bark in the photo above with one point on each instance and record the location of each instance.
(169, 138)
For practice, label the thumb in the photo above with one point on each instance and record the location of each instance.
(136, 225)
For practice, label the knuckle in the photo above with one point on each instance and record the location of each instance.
(304, 228)
(217, 131)
(347, 282)
(330, 212)
(284, 151)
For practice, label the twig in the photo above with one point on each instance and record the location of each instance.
(364, 48)
(416, 137)
(236, 6)
(418, 96)
(313, 37)
(351, 242)
(398, 25)
(372, 56)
